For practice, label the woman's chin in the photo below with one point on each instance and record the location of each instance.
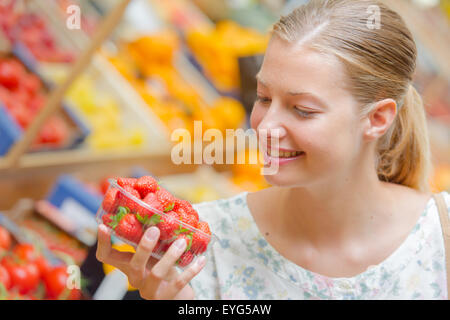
(285, 180)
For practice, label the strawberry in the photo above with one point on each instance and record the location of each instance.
(166, 199)
(127, 200)
(168, 225)
(200, 240)
(129, 227)
(185, 259)
(161, 247)
(124, 182)
(180, 203)
(145, 185)
(110, 202)
(107, 218)
(185, 206)
(190, 219)
(153, 202)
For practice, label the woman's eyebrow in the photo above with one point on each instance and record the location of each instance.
(309, 94)
(292, 93)
(260, 80)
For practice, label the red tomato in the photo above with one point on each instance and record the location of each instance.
(55, 283)
(43, 265)
(25, 251)
(9, 75)
(5, 279)
(5, 238)
(24, 276)
(31, 84)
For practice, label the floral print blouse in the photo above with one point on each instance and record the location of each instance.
(241, 264)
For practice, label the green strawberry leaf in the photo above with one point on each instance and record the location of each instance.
(155, 219)
(113, 224)
(123, 210)
(169, 207)
(141, 219)
(190, 242)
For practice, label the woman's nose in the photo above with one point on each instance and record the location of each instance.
(271, 126)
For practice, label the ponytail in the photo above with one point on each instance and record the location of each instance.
(404, 151)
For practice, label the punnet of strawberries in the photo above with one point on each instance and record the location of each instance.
(131, 205)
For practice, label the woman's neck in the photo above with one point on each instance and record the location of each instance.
(336, 212)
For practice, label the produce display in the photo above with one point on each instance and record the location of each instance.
(130, 206)
(104, 116)
(32, 31)
(26, 273)
(217, 50)
(23, 95)
(148, 64)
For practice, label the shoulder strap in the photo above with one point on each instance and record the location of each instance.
(445, 223)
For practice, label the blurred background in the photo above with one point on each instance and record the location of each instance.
(92, 89)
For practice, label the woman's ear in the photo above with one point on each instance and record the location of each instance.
(379, 120)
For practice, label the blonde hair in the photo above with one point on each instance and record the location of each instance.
(380, 62)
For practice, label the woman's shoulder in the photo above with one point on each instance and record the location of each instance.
(446, 196)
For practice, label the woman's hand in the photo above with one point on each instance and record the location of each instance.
(154, 279)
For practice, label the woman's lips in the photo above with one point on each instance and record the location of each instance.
(282, 156)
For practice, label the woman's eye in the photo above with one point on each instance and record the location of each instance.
(303, 113)
(263, 99)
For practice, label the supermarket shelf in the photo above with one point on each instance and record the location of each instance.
(80, 156)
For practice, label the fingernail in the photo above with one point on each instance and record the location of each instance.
(152, 234)
(201, 261)
(180, 244)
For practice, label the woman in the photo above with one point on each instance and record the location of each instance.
(350, 214)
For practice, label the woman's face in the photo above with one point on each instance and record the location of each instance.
(300, 95)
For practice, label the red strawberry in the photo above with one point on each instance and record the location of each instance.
(104, 184)
(145, 185)
(187, 218)
(184, 205)
(168, 225)
(107, 219)
(129, 227)
(166, 199)
(185, 259)
(153, 202)
(110, 202)
(199, 240)
(127, 200)
(161, 247)
(124, 182)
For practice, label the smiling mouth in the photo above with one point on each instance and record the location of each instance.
(284, 154)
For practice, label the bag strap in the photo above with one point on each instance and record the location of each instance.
(445, 223)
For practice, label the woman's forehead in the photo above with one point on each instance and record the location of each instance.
(297, 69)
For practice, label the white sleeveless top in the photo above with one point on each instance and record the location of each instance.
(243, 265)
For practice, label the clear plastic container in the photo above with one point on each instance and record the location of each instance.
(128, 217)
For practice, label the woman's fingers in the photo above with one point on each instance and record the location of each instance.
(162, 269)
(180, 282)
(106, 254)
(138, 263)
